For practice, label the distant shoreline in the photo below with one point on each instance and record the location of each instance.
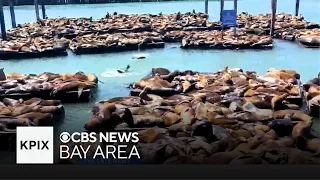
(66, 2)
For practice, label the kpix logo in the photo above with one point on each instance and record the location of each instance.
(34, 145)
(29, 145)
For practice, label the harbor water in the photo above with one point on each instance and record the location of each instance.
(285, 55)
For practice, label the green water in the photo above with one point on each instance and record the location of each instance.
(285, 55)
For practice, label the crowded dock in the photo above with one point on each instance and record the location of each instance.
(31, 112)
(127, 32)
(65, 87)
(227, 117)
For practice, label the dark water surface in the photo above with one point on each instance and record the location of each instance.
(285, 55)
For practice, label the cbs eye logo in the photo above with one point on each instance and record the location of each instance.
(65, 137)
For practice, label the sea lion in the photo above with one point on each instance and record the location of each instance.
(150, 135)
(13, 122)
(313, 91)
(277, 102)
(154, 82)
(92, 78)
(148, 120)
(160, 71)
(198, 145)
(36, 117)
(222, 157)
(80, 76)
(125, 70)
(74, 85)
(314, 106)
(170, 118)
(241, 133)
(10, 102)
(248, 159)
(313, 145)
(103, 117)
(188, 116)
(282, 127)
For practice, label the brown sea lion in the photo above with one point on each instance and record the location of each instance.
(313, 145)
(241, 133)
(222, 157)
(313, 92)
(36, 117)
(92, 78)
(13, 122)
(150, 135)
(147, 120)
(277, 102)
(154, 82)
(10, 102)
(188, 116)
(102, 117)
(74, 85)
(170, 118)
(80, 76)
(248, 159)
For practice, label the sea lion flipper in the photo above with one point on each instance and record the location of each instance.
(119, 71)
(36, 103)
(80, 90)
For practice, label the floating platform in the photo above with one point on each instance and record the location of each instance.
(111, 49)
(76, 87)
(215, 40)
(24, 55)
(37, 112)
(213, 115)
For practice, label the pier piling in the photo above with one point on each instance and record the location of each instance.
(273, 16)
(221, 9)
(36, 6)
(43, 9)
(297, 7)
(12, 14)
(206, 3)
(2, 23)
(235, 6)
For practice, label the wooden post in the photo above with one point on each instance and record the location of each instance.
(36, 6)
(206, 2)
(235, 7)
(297, 7)
(273, 16)
(221, 9)
(43, 8)
(2, 22)
(13, 16)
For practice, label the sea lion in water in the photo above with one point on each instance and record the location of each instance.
(125, 70)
